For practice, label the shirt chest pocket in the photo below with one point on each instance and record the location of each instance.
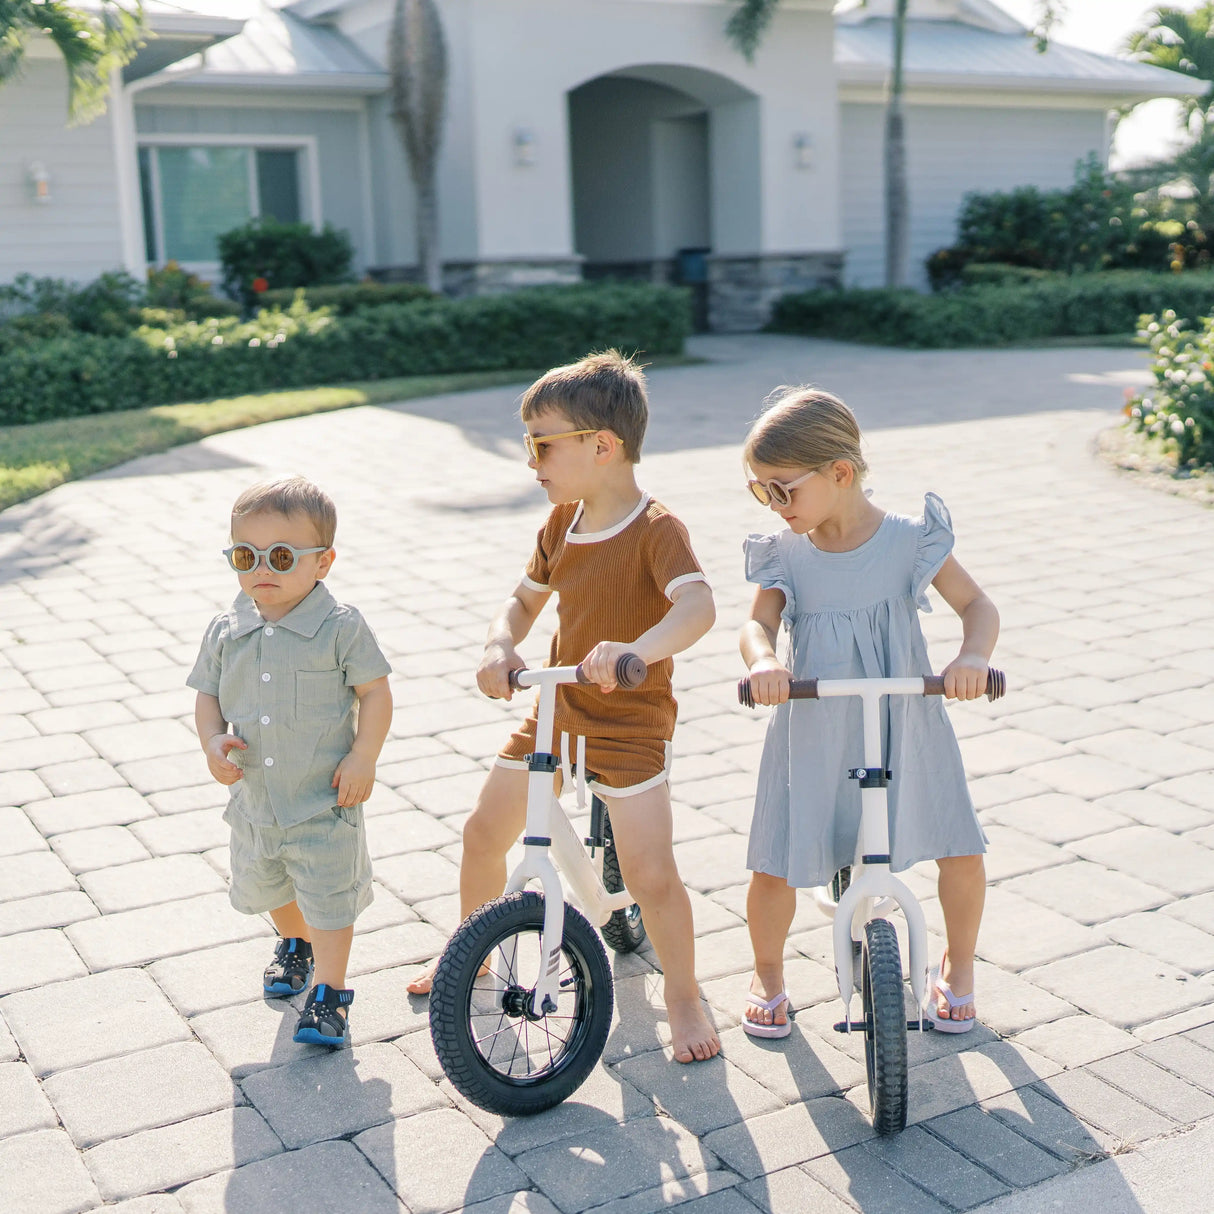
(320, 695)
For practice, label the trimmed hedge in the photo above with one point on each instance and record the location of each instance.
(347, 297)
(541, 326)
(1179, 409)
(1081, 305)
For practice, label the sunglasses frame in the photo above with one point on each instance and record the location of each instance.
(534, 442)
(761, 491)
(263, 554)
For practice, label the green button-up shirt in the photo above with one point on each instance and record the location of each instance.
(287, 688)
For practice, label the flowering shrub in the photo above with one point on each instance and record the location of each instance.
(263, 254)
(1179, 409)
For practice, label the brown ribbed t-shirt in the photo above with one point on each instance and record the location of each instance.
(612, 585)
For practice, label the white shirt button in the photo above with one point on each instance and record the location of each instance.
(269, 762)
(265, 720)
(269, 631)
(265, 678)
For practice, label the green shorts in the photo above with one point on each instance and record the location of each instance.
(321, 864)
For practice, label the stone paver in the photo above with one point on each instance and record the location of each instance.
(130, 1005)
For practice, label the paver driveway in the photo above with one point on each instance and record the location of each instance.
(138, 1062)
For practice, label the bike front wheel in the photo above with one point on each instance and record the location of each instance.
(884, 1026)
(491, 1045)
(625, 930)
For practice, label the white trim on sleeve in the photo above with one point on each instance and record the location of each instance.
(676, 582)
(531, 584)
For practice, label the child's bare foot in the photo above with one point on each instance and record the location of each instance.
(691, 1036)
(960, 980)
(424, 981)
(766, 1010)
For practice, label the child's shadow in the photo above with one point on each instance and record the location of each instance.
(312, 1100)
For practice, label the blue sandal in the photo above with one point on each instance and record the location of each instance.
(291, 969)
(321, 1023)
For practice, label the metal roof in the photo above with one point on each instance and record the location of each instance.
(276, 49)
(960, 55)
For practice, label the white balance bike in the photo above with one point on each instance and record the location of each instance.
(861, 897)
(521, 1001)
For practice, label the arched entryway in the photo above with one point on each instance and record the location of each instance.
(665, 169)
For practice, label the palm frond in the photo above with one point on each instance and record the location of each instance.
(745, 28)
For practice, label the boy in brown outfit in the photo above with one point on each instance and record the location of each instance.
(627, 582)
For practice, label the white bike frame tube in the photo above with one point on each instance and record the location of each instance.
(546, 820)
(871, 883)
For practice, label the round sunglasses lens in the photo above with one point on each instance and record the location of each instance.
(779, 494)
(282, 559)
(243, 558)
(758, 492)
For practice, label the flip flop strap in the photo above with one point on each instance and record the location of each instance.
(953, 1000)
(767, 1005)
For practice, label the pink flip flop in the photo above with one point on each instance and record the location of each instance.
(946, 1024)
(755, 1029)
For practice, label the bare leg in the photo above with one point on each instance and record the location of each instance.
(497, 820)
(289, 921)
(770, 905)
(330, 954)
(643, 831)
(962, 889)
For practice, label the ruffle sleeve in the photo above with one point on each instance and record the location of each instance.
(765, 568)
(935, 543)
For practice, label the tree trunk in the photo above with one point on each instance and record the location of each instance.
(417, 63)
(897, 207)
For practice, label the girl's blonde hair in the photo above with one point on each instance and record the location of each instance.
(804, 427)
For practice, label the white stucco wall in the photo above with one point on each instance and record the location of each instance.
(513, 62)
(77, 234)
(951, 151)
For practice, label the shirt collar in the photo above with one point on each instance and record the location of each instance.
(305, 618)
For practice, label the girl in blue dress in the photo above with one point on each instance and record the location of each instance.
(848, 580)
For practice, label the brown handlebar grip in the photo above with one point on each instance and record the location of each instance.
(512, 678)
(798, 689)
(996, 684)
(630, 672)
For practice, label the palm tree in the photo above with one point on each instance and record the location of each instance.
(1181, 42)
(745, 28)
(417, 63)
(92, 45)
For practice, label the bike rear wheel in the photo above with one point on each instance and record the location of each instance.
(625, 930)
(489, 1042)
(884, 1026)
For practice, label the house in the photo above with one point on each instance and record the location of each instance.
(583, 138)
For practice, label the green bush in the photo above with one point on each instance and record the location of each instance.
(1079, 305)
(1000, 274)
(303, 347)
(1179, 409)
(109, 305)
(281, 255)
(1098, 223)
(348, 297)
(173, 289)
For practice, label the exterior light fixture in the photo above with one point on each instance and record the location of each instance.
(803, 151)
(39, 181)
(523, 142)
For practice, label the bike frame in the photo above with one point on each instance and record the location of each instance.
(549, 834)
(873, 886)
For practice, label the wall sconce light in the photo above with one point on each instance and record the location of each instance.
(802, 151)
(39, 181)
(523, 142)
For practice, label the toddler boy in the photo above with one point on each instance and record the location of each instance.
(627, 582)
(302, 685)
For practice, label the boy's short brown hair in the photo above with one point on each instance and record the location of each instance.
(599, 392)
(291, 495)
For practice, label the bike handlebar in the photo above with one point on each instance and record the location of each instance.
(630, 672)
(933, 685)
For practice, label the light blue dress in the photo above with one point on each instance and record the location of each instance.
(850, 615)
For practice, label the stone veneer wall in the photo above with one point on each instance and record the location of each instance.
(742, 289)
(491, 277)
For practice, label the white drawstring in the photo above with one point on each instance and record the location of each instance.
(581, 773)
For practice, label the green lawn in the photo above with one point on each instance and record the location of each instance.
(38, 457)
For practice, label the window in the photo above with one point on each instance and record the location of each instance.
(192, 194)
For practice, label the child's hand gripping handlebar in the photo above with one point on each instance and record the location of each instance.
(933, 685)
(630, 672)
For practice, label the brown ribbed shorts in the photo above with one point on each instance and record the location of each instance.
(615, 767)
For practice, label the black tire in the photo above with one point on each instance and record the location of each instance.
(625, 930)
(884, 1026)
(530, 1064)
